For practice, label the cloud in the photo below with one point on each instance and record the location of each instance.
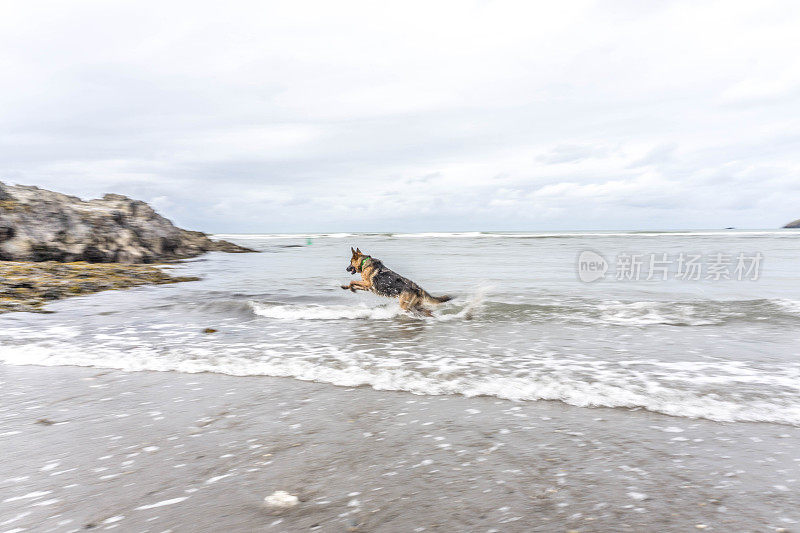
(659, 155)
(268, 116)
(761, 90)
(566, 153)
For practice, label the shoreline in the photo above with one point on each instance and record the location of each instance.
(28, 286)
(148, 449)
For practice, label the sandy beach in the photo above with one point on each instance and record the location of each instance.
(453, 267)
(89, 448)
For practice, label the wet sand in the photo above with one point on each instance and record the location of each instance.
(89, 449)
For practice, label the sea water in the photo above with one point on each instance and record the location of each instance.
(522, 324)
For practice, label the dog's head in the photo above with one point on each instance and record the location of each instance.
(355, 260)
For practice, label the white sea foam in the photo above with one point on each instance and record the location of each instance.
(325, 312)
(647, 313)
(789, 306)
(615, 385)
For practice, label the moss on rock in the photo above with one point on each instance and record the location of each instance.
(28, 286)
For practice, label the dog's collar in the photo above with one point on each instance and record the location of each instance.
(368, 258)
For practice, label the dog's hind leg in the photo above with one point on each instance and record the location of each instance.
(405, 301)
(408, 301)
(412, 302)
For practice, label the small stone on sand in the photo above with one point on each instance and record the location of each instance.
(281, 499)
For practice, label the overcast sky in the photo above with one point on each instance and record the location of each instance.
(423, 116)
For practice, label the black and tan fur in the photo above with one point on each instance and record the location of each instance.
(377, 278)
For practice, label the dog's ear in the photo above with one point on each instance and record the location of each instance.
(358, 251)
(351, 249)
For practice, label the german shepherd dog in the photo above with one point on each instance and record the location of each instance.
(377, 278)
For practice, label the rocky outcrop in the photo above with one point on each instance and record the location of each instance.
(29, 286)
(795, 224)
(41, 225)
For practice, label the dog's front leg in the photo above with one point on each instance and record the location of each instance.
(356, 285)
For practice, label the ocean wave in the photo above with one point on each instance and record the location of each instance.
(478, 306)
(615, 386)
(267, 236)
(324, 312)
(466, 308)
(440, 235)
(511, 235)
(791, 307)
(691, 313)
(647, 312)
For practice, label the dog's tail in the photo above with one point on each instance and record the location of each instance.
(436, 299)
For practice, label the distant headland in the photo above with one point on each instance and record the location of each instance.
(795, 224)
